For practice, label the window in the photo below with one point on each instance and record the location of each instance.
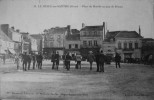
(130, 46)
(136, 45)
(76, 45)
(119, 45)
(95, 43)
(51, 44)
(95, 33)
(90, 43)
(84, 43)
(69, 46)
(125, 45)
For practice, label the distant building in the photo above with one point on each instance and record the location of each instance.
(26, 46)
(6, 45)
(17, 39)
(33, 45)
(40, 41)
(54, 40)
(108, 46)
(147, 46)
(128, 44)
(72, 43)
(91, 38)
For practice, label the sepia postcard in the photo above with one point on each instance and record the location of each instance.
(76, 49)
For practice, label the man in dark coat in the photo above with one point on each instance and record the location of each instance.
(102, 59)
(29, 61)
(67, 59)
(57, 60)
(53, 60)
(117, 60)
(24, 61)
(97, 56)
(34, 60)
(39, 61)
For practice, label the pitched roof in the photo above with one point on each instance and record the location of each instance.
(58, 30)
(147, 39)
(75, 31)
(128, 34)
(92, 28)
(13, 31)
(110, 35)
(36, 36)
(4, 37)
(73, 37)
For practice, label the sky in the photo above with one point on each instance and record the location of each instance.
(34, 16)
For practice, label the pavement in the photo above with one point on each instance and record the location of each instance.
(130, 82)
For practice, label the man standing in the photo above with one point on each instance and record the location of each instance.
(29, 61)
(101, 61)
(117, 60)
(68, 59)
(53, 60)
(24, 60)
(78, 59)
(39, 61)
(97, 56)
(57, 60)
(91, 59)
(34, 60)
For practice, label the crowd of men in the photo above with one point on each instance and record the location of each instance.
(26, 60)
(36, 60)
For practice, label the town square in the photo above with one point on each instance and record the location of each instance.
(76, 50)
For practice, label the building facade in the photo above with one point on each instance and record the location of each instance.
(147, 46)
(17, 39)
(108, 46)
(72, 43)
(91, 38)
(26, 46)
(6, 45)
(54, 40)
(128, 44)
(40, 43)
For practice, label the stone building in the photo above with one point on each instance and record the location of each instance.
(54, 40)
(72, 42)
(39, 39)
(128, 44)
(108, 46)
(91, 38)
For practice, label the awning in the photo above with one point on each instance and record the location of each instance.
(11, 51)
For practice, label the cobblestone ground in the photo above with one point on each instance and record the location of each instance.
(130, 82)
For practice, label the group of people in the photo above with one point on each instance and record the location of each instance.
(66, 60)
(100, 59)
(36, 60)
(26, 60)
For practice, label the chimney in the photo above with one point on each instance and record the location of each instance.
(13, 27)
(18, 30)
(69, 29)
(83, 25)
(5, 28)
(139, 31)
